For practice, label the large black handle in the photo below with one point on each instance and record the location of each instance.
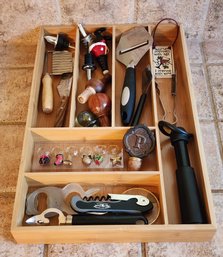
(128, 96)
(138, 112)
(191, 204)
(108, 219)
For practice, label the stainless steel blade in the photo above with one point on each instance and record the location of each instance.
(133, 45)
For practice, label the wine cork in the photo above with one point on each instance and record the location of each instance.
(83, 97)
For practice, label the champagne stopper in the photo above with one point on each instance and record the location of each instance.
(139, 142)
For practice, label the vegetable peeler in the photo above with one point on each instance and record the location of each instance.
(132, 46)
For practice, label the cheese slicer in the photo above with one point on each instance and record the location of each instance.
(132, 46)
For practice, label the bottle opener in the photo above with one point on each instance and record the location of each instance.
(56, 197)
(86, 219)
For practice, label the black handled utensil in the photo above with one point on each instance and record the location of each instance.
(146, 84)
(132, 46)
(86, 219)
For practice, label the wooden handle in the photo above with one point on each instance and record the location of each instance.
(47, 94)
(60, 115)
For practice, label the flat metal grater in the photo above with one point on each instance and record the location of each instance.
(62, 62)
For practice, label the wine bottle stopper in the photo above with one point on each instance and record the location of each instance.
(139, 141)
(87, 119)
(83, 97)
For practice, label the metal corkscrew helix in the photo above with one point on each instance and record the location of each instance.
(97, 198)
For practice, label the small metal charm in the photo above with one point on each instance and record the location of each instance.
(44, 159)
(59, 159)
(86, 154)
(87, 159)
(98, 159)
(99, 152)
(68, 160)
(116, 160)
(115, 155)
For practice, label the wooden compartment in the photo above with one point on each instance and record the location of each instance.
(41, 119)
(157, 173)
(97, 73)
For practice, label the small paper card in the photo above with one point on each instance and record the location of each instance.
(163, 61)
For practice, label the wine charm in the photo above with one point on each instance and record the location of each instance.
(114, 152)
(98, 159)
(59, 159)
(44, 159)
(99, 152)
(86, 155)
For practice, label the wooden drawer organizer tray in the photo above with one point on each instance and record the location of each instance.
(158, 171)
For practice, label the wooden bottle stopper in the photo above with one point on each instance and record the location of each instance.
(139, 142)
(94, 86)
(100, 105)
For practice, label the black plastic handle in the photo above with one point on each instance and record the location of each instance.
(191, 204)
(107, 219)
(139, 109)
(128, 96)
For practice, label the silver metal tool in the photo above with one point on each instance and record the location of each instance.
(64, 89)
(116, 203)
(56, 197)
(62, 62)
(87, 38)
(85, 219)
(42, 218)
(132, 46)
(146, 84)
